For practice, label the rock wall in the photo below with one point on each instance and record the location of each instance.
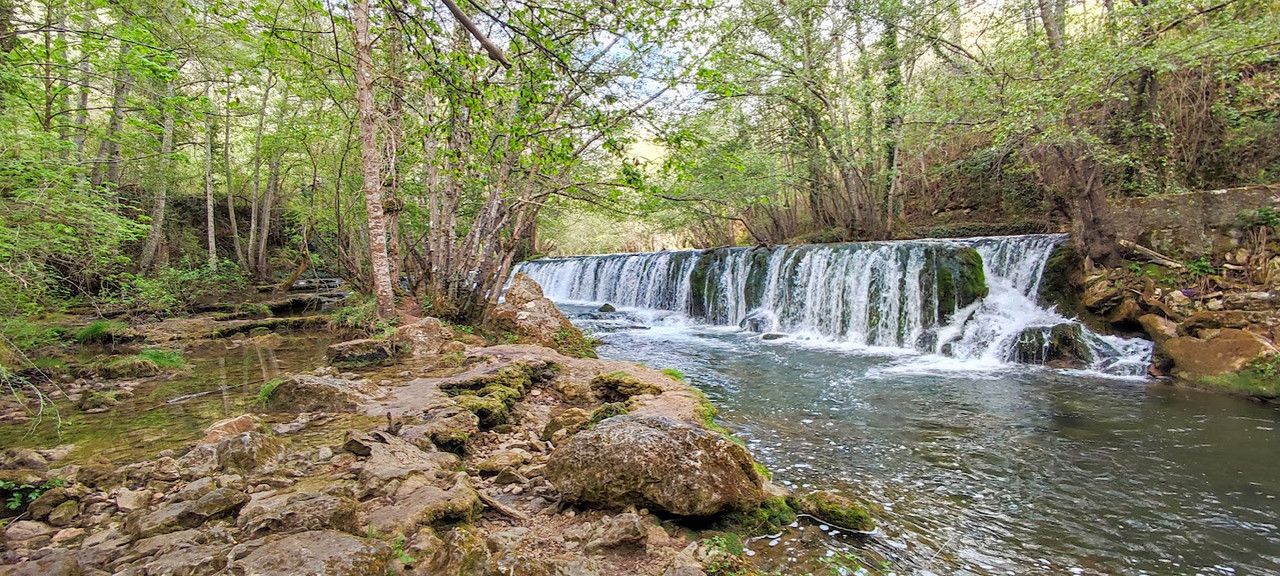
(1193, 224)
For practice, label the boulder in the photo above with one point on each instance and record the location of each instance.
(245, 453)
(534, 318)
(425, 337)
(1158, 328)
(316, 553)
(64, 514)
(56, 564)
(1227, 352)
(279, 513)
(362, 352)
(424, 506)
(657, 463)
(834, 509)
(607, 307)
(611, 532)
(307, 393)
(223, 429)
(129, 500)
(1061, 346)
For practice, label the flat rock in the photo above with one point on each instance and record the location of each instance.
(657, 463)
(307, 393)
(279, 513)
(223, 429)
(56, 564)
(316, 553)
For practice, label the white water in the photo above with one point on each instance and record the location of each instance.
(877, 295)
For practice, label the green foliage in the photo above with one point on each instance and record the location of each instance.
(264, 393)
(101, 332)
(359, 314)
(1201, 267)
(168, 291)
(17, 496)
(1265, 216)
(768, 518)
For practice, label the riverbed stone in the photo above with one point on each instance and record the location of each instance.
(223, 429)
(1226, 352)
(308, 393)
(129, 500)
(361, 352)
(279, 513)
(316, 553)
(64, 514)
(424, 337)
(250, 452)
(536, 319)
(835, 509)
(56, 564)
(657, 463)
(573, 420)
(425, 505)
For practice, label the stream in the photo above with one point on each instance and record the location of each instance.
(971, 462)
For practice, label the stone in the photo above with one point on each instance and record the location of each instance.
(316, 553)
(424, 506)
(362, 352)
(534, 318)
(202, 560)
(22, 459)
(509, 476)
(67, 535)
(307, 393)
(619, 531)
(64, 514)
(1228, 352)
(26, 530)
(452, 347)
(425, 337)
(56, 564)
(834, 509)
(385, 459)
(223, 429)
(1158, 328)
(41, 507)
(656, 463)
(217, 503)
(294, 512)
(685, 563)
(161, 521)
(773, 336)
(1125, 313)
(194, 490)
(245, 453)
(607, 307)
(129, 500)
(502, 460)
(165, 469)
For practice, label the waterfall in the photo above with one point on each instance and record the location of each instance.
(922, 295)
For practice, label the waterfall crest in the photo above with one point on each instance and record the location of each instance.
(967, 298)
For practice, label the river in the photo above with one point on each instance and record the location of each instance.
(974, 464)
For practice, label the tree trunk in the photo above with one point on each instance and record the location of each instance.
(273, 183)
(371, 161)
(156, 234)
(208, 186)
(257, 167)
(226, 166)
(109, 151)
(82, 114)
(395, 144)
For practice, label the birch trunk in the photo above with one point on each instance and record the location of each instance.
(371, 161)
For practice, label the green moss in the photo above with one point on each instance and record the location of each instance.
(834, 509)
(94, 400)
(674, 373)
(163, 358)
(264, 394)
(762, 470)
(491, 411)
(126, 367)
(946, 295)
(572, 342)
(973, 280)
(767, 518)
(102, 332)
(1259, 379)
(608, 410)
(620, 386)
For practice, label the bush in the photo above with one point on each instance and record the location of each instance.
(360, 315)
(168, 291)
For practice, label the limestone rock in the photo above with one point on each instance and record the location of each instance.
(424, 337)
(294, 512)
(503, 459)
(22, 459)
(47, 502)
(307, 393)
(57, 564)
(685, 563)
(244, 453)
(535, 318)
(316, 553)
(64, 514)
(612, 532)
(573, 419)
(215, 504)
(835, 509)
(1158, 328)
(129, 500)
(423, 506)
(1227, 352)
(223, 429)
(26, 530)
(362, 352)
(656, 463)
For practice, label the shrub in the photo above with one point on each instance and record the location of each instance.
(102, 332)
(168, 291)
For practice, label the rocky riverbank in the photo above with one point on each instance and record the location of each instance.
(455, 458)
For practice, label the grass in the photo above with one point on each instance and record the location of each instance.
(264, 394)
(163, 358)
(674, 373)
(101, 332)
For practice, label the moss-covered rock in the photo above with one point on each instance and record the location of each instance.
(490, 410)
(608, 410)
(834, 509)
(767, 518)
(620, 386)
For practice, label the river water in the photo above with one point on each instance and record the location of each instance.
(973, 464)
(1017, 470)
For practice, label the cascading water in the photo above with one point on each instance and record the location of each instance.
(972, 299)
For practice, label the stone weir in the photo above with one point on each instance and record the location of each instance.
(973, 299)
